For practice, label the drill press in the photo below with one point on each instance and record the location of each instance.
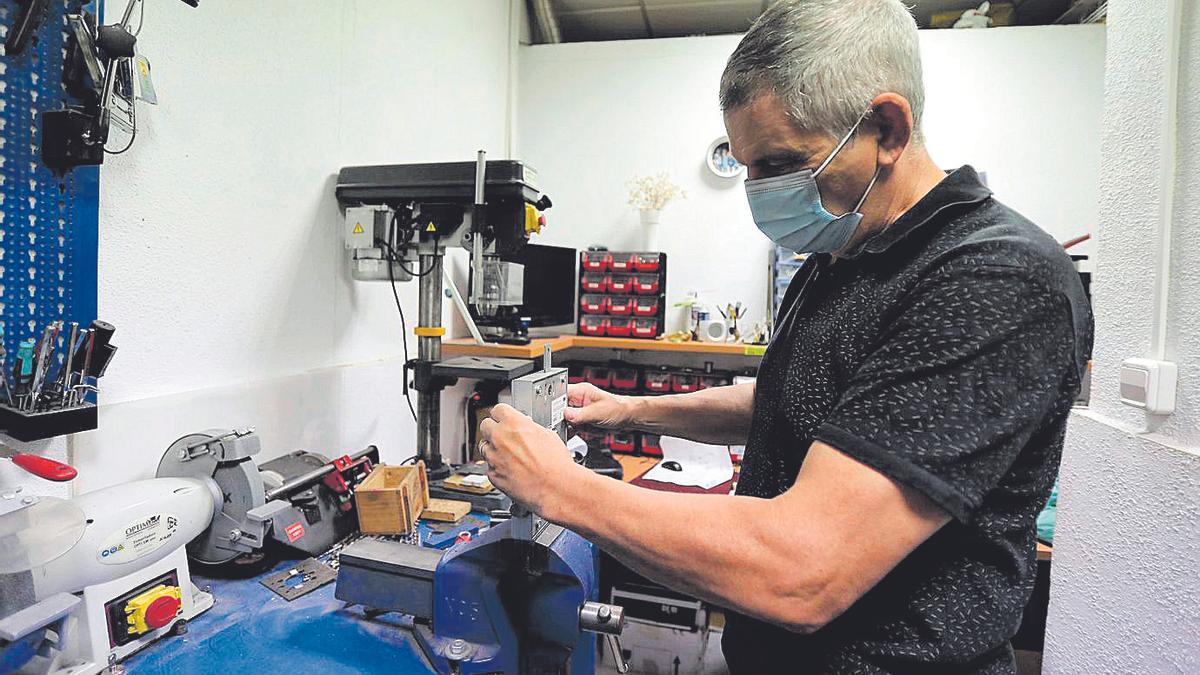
(399, 221)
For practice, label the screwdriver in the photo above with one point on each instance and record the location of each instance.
(4, 371)
(23, 369)
(42, 467)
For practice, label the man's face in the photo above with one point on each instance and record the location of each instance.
(769, 143)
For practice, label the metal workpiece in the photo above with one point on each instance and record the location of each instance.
(543, 397)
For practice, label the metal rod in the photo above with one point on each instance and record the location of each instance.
(478, 224)
(304, 480)
(429, 350)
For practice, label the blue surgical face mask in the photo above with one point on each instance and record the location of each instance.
(789, 211)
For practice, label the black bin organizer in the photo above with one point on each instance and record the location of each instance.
(622, 293)
(37, 426)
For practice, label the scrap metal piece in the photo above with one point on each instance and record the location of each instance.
(301, 580)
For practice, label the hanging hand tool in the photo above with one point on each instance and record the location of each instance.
(42, 467)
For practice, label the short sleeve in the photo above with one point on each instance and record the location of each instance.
(971, 368)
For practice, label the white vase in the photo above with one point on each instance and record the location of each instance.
(650, 229)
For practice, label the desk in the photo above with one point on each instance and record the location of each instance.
(533, 350)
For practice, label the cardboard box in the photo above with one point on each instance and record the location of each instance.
(391, 499)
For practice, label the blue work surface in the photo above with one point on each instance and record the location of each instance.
(252, 630)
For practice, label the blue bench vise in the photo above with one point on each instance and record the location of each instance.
(503, 602)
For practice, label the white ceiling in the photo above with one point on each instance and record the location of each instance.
(585, 20)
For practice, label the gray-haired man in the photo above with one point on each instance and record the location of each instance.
(908, 417)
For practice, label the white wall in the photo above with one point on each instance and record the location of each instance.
(1021, 104)
(1125, 595)
(220, 258)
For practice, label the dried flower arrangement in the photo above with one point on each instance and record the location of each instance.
(652, 193)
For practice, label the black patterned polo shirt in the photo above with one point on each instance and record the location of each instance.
(946, 353)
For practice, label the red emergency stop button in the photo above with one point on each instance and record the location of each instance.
(162, 611)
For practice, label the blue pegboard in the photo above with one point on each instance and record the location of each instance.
(48, 223)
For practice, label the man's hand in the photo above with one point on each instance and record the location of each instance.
(596, 408)
(526, 461)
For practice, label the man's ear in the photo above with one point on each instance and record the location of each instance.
(892, 119)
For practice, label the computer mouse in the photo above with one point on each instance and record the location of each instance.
(672, 466)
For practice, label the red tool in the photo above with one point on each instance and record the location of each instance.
(42, 467)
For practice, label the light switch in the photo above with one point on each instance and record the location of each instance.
(1149, 384)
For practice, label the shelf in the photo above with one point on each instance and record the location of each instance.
(533, 350)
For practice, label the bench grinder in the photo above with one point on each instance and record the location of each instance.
(86, 582)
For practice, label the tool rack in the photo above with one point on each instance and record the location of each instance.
(48, 222)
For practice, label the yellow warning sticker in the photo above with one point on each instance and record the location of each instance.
(430, 228)
(358, 228)
(755, 350)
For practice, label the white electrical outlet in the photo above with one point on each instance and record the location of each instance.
(1149, 384)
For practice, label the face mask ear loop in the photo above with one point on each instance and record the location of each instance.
(870, 186)
(841, 144)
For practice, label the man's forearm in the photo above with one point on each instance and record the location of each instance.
(718, 548)
(720, 415)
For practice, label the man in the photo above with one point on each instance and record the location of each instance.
(908, 417)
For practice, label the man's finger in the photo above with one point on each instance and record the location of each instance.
(502, 412)
(486, 428)
(577, 394)
(577, 416)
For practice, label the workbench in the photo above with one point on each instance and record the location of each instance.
(252, 630)
(563, 343)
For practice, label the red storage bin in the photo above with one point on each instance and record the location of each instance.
(645, 284)
(652, 445)
(594, 282)
(658, 382)
(645, 328)
(647, 306)
(594, 304)
(623, 262)
(595, 261)
(620, 305)
(618, 327)
(593, 325)
(625, 379)
(684, 383)
(598, 376)
(647, 262)
(622, 441)
(621, 283)
(574, 375)
(594, 439)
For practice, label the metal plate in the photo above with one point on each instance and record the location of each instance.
(300, 580)
(484, 368)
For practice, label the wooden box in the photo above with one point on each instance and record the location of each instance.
(391, 499)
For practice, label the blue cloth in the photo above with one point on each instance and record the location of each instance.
(1048, 516)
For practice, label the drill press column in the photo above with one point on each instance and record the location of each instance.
(429, 350)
